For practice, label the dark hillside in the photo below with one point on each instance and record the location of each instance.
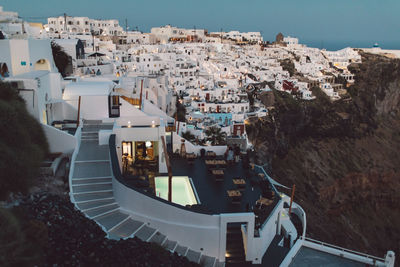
(343, 157)
(23, 144)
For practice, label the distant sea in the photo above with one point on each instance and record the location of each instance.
(337, 45)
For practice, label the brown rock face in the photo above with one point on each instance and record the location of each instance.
(346, 168)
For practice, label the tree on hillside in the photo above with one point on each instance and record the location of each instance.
(215, 136)
(180, 110)
(61, 59)
(23, 144)
(189, 136)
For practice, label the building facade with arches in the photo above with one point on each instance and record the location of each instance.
(22, 56)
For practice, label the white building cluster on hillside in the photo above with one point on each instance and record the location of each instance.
(136, 98)
(83, 25)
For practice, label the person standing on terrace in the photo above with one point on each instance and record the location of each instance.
(229, 157)
(237, 153)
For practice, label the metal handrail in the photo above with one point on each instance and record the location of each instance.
(343, 249)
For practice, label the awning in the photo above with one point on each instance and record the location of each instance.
(97, 54)
(87, 89)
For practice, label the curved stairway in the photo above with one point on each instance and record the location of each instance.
(92, 194)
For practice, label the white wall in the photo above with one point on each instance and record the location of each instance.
(152, 109)
(139, 120)
(104, 136)
(70, 109)
(59, 141)
(126, 109)
(41, 49)
(19, 51)
(267, 234)
(92, 107)
(5, 55)
(200, 232)
(30, 98)
(195, 230)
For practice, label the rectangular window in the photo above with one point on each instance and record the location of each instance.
(127, 149)
(115, 100)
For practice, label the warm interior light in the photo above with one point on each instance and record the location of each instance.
(148, 143)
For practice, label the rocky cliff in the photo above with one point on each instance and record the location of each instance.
(343, 157)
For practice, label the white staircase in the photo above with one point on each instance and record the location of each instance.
(92, 193)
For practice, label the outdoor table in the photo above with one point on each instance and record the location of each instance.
(235, 195)
(190, 155)
(211, 154)
(210, 163)
(219, 174)
(240, 183)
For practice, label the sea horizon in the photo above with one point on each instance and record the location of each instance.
(333, 45)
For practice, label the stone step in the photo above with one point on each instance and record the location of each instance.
(101, 210)
(112, 219)
(91, 169)
(145, 233)
(84, 181)
(95, 204)
(90, 134)
(91, 150)
(96, 127)
(91, 188)
(91, 122)
(93, 196)
(193, 256)
(127, 228)
(207, 261)
(93, 161)
(170, 245)
(89, 140)
(158, 238)
(219, 264)
(181, 250)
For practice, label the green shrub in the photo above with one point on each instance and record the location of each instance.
(23, 144)
(61, 59)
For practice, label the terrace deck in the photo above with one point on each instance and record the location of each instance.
(213, 194)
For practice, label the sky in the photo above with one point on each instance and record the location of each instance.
(320, 23)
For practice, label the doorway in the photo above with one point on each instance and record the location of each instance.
(113, 106)
(235, 252)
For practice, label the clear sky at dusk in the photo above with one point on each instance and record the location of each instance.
(330, 23)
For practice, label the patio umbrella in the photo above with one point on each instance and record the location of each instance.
(97, 54)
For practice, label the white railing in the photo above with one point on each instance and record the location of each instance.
(343, 252)
(296, 209)
(78, 134)
(292, 253)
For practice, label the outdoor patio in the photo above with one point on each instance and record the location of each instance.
(213, 194)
